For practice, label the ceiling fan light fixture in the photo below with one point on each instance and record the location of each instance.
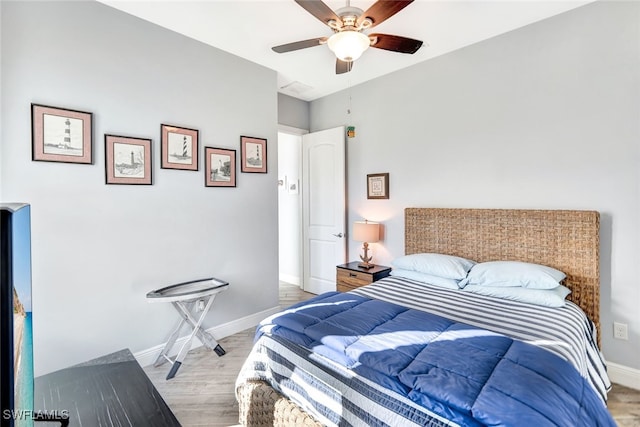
(348, 45)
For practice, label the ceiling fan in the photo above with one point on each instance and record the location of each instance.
(348, 23)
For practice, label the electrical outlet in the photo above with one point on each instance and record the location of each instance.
(620, 331)
(200, 306)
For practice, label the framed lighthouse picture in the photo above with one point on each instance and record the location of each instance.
(178, 148)
(219, 167)
(253, 152)
(127, 160)
(61, 135)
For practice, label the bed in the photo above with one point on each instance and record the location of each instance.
(284, 383)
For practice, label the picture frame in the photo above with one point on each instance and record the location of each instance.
(378, 186)
(178, 147)
(219, 167)
(127, 160)
(61, 135)
(253, 154)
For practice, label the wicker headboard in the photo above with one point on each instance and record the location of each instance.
(566, 240)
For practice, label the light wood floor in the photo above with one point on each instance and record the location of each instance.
(202, 393)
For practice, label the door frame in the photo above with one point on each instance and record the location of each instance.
(296, 132)
(301, 259)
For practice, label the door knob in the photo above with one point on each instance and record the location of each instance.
(339, 235)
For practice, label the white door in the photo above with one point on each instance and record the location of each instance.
(323, 208)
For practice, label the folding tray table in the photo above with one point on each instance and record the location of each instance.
(185, 299)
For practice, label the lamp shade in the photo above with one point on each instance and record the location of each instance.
(364, 231)
(348, 45)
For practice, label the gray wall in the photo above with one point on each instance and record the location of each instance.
(546, 116)
(98, 249)
(293, 112)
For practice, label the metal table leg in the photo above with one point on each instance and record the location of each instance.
(204, 336)
(185, 297)
(196, 329)
(164, 354)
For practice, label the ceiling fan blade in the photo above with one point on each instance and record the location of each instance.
(343, 66)
(299, 45)
(382, 10)
(395, 43)
(320, 10)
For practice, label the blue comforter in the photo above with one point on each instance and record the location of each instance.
(468, 375)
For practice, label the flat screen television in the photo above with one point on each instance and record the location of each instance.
(16, 339)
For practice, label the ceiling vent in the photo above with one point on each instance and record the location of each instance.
(296, 88)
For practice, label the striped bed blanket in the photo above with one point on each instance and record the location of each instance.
(565, 331)
(329, 385)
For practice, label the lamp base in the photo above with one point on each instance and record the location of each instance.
(366, 265)
(366, 259)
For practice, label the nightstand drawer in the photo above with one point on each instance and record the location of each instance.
(353, 278)
(345, 288)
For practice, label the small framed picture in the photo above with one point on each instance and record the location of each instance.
(378, 186)
(127, 160)
(61, 135)
(178, 148)
(219, 167)
(253, 152)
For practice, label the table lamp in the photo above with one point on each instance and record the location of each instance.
(367, 232)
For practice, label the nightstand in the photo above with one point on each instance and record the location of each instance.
(350, 276)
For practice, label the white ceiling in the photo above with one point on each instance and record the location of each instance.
(249, 28)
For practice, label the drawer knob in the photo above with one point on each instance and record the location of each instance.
(353, 275)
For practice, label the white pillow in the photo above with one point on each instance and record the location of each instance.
(425, 278)
(447, 266)
(513, 274)
(547, 297)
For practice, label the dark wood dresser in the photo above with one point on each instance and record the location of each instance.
(112, 390)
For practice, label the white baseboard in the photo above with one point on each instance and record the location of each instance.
(148, 357)
(624, 375)
(294, 280)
